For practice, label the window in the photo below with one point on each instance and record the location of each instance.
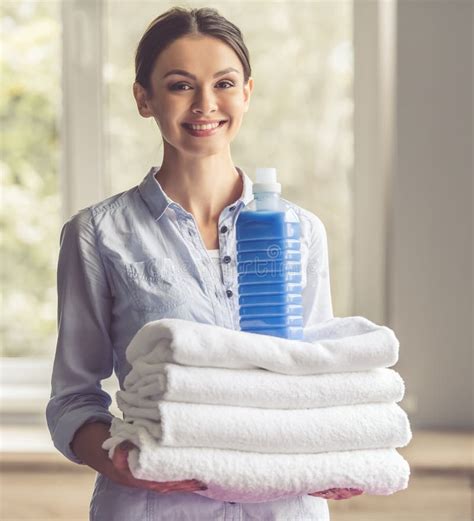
(30, 217)
(31, 98)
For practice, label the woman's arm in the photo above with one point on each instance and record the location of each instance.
(84, 352)
(317, 305)
(78, 411)
(87, 446)
(317, 301)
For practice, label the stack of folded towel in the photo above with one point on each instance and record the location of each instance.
(258, 418)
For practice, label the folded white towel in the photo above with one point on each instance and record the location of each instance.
(363, 426)
(252, 477)
(337, 345)
(257, 387)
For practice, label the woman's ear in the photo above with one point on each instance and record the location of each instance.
(141, 97)
(248, 88)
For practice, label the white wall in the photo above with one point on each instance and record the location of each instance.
(431, 257)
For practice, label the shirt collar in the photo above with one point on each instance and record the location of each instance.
(157, 200)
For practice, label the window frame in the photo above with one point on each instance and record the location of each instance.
(374, 38)
(82, 171)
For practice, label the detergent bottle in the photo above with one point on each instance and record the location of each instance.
(269, 262)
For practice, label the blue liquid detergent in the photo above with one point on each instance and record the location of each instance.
(269, 263)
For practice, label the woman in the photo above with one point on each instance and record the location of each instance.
(144, 254)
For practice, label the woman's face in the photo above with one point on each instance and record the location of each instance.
(177, 98)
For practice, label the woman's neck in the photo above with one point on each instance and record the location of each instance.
(202, 188)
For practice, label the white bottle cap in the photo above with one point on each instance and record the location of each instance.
(266, 181)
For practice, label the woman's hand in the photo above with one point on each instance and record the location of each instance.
(87, 447)
(123, 476)
(338, 493)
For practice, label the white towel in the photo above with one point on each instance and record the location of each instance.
(363, 426)
(337, 345)
(252, 477)
(257, 387)
(258, 473)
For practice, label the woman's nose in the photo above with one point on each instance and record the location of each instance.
(204, 101)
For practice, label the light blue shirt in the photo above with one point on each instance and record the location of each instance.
(135, 257)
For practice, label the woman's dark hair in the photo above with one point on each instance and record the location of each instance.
(178, 22)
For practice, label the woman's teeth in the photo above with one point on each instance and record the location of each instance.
(203, 127)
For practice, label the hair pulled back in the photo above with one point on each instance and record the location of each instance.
(178, 22)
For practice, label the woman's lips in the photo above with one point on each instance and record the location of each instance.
(203, 133)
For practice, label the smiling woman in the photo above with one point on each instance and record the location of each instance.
(142, 255)
(210, 105)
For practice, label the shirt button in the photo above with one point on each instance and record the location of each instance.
(224, 229)
(232, 208)
(226, 259)
(229, 292)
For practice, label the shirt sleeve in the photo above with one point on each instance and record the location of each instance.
(84, 351)
(317, 302)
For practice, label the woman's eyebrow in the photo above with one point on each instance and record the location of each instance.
(189, 75)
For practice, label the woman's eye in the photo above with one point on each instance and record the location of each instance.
(177, 86)
(227, 82)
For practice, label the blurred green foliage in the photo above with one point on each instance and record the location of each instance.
(29, 164)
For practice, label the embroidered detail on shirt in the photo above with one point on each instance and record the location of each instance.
(154, 285)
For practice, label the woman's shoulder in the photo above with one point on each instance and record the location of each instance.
(88, 217)
(312, 227)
